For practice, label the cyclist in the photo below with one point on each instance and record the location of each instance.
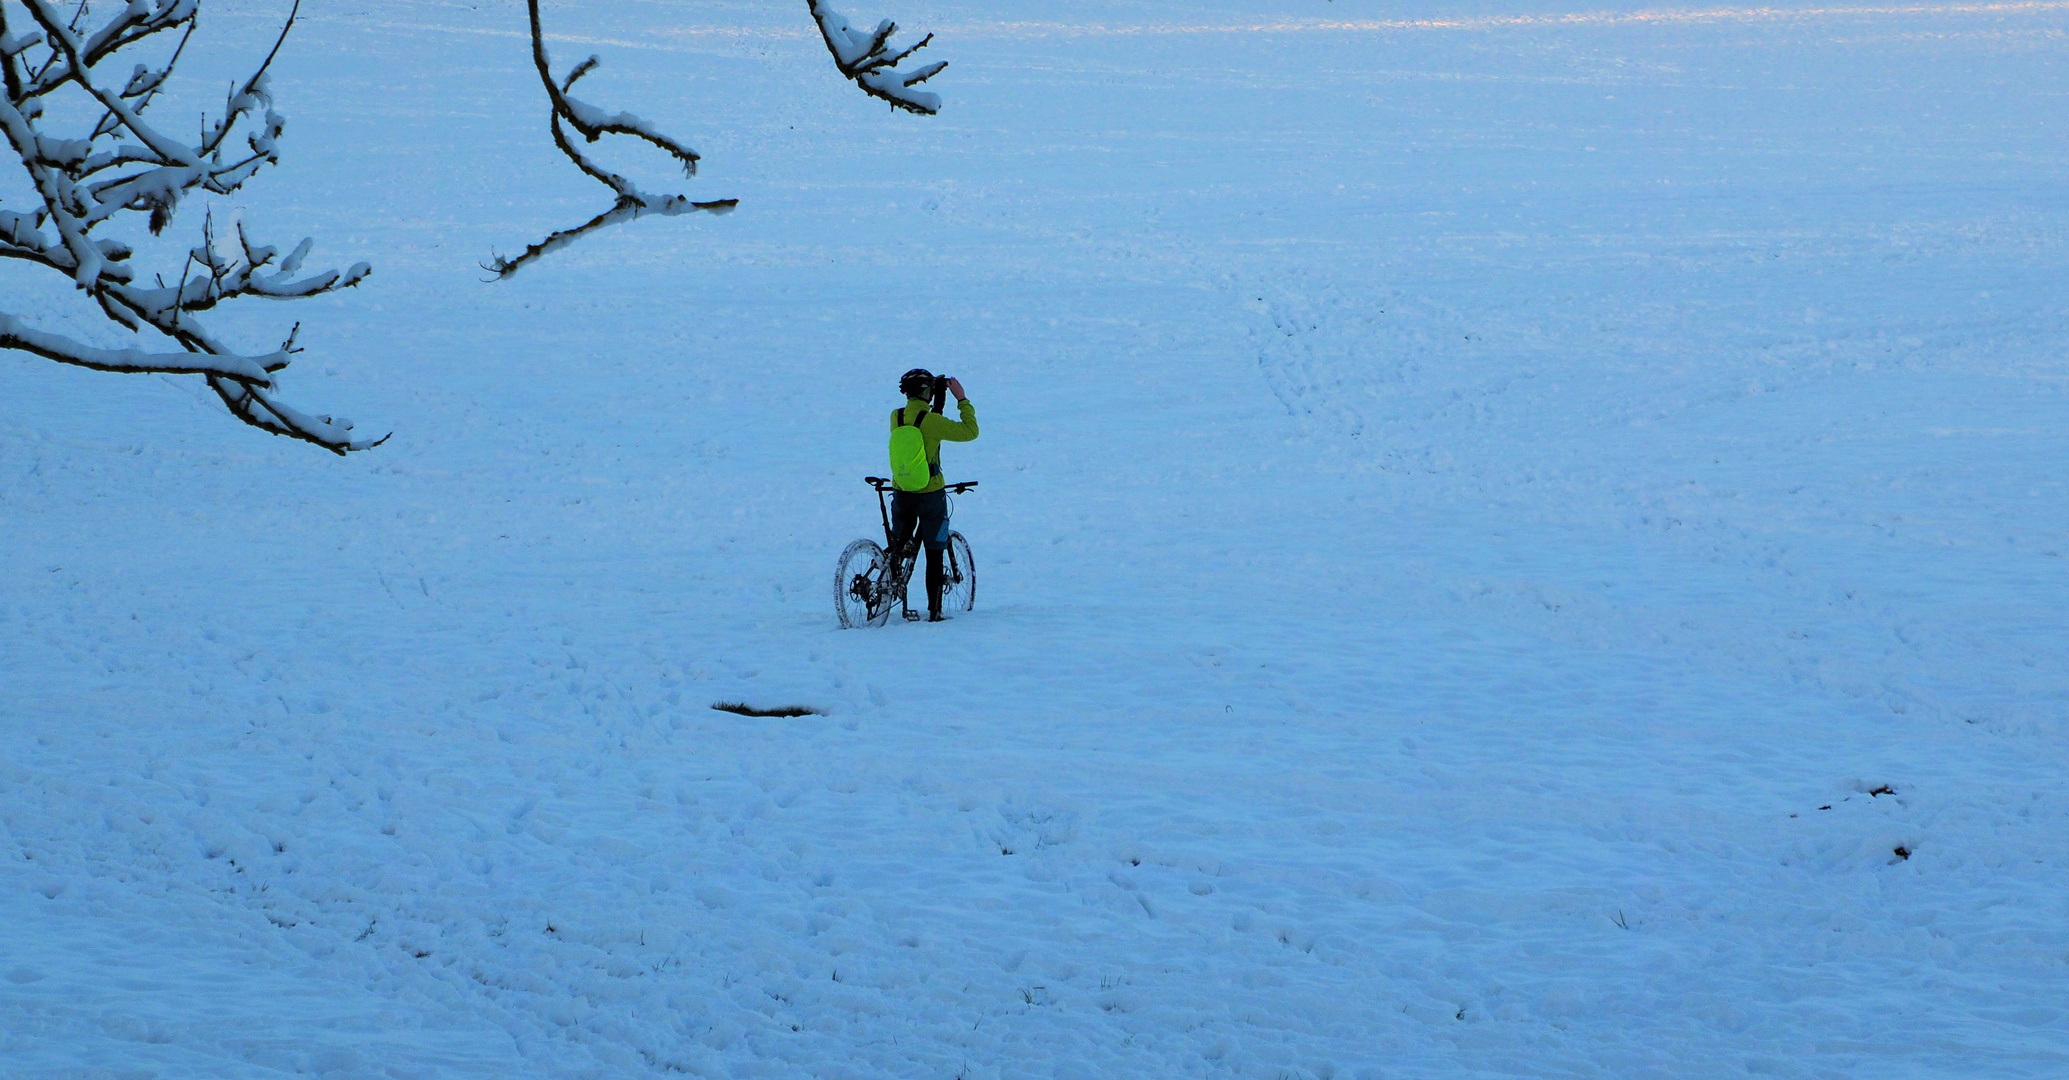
(927, 510)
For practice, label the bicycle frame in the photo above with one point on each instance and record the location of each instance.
(883, 509)
(902, 562)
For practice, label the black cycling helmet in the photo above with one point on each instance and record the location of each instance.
(917, 383)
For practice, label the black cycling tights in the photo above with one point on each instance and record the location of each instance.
(928, 511)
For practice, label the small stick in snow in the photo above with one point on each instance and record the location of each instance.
(743, 709)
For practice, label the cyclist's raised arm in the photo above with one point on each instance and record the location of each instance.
(941, 427)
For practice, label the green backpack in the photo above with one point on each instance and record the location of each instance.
(909, 468)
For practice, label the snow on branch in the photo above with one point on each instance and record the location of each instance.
(592, 124)
(121, 164)
(15, 335)
(868, 58)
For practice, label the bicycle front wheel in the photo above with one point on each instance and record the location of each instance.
(859, 596)
(959, 574)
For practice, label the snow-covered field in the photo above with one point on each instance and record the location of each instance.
(1503, 523)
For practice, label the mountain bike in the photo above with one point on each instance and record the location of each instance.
(869, 581)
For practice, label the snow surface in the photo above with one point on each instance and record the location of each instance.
(1498, 520)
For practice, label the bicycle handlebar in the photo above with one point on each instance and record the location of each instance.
(882, 484)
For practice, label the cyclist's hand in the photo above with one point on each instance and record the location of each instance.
(955, 386)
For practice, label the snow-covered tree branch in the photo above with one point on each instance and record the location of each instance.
(122, 164)
(592, 124)
(867, 58)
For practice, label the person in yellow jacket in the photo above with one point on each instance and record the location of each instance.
(927, 510)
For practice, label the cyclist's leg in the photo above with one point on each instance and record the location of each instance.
(936, 576)
(907, 516)
(933, 526)
(903, 519)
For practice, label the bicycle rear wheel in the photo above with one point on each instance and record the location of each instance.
(859, 596)
(959, 573)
